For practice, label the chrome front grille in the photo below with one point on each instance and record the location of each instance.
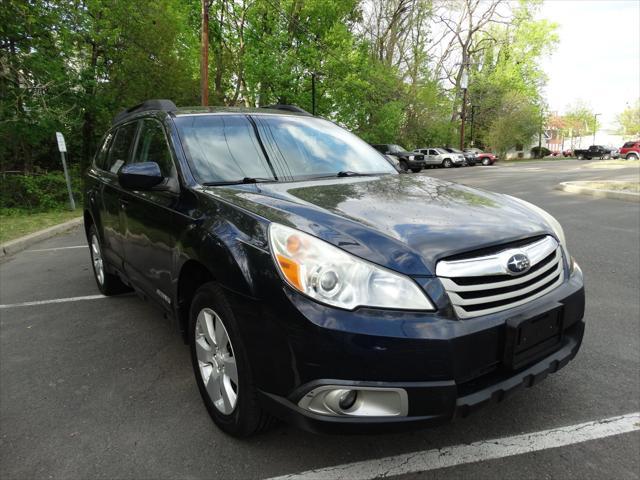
(483, 285)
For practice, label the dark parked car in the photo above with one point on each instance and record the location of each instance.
(470, 158)
(406, 160)
(594, 151)
(313, 282)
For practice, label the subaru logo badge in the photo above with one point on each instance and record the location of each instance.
(518, 263)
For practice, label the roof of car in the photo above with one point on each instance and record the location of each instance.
(161, 105)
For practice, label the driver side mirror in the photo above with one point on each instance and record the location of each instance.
(140, 176)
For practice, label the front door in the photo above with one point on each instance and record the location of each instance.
(152, 220)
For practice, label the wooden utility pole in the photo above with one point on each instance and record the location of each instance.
(204, 54)
(463, 117)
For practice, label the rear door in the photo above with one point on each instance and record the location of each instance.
(111, 194)
(152, 219)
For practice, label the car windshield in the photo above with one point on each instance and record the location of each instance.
(229, 148)
(454, 150)
(396, 149)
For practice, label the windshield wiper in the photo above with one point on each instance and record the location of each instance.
(349, 173)
(239, 182)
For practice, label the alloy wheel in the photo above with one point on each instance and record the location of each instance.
(96, 258)
(216, 361)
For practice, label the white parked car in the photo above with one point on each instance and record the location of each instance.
(440, 157)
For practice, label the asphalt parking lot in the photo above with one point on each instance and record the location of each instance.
(103, 388)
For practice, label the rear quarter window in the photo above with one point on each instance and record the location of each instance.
(100, 160)
(121, 147)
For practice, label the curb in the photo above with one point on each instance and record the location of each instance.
(22, 243)
(575, 187)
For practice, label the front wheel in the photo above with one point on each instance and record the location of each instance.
(580, 156)
(416, 170)
(108, 283)
(221, 365)
(446, 163)
(632, 156)
(403, 166)
(486, 162)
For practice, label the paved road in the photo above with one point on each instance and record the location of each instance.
(103, 388)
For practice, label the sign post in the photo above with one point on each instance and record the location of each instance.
(62, 148)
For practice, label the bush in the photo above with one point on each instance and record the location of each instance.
(37, 192)
(540, 152)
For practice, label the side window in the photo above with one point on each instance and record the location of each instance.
(433, 152)
(100, 160)
(153, 147)
(119, 153)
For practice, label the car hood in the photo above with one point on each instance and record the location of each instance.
(405, 222)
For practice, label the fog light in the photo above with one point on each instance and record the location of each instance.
(348, 399)
(352, 401)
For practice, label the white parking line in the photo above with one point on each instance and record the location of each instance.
(475, 452)
(57, 248)
(55, 300)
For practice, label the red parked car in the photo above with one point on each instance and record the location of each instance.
(630, 150)
(486, 158)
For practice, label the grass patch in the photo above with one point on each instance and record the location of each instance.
(16, 223)
(629, 187)
(527, 160)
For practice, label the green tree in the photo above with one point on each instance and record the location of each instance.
(516, 123)
(629, 121)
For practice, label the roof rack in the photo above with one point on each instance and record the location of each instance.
(155, 104)
(287, 108)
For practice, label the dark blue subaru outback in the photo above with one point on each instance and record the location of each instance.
(313, 282)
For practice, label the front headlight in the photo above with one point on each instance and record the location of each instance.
(332, 276)
(411, 157)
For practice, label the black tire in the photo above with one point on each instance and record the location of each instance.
(486, 162)
(403, 166)
(416, 170)
(580, 156)
(447, 163)
(247, 417)
(631, 156)
(606, 157)
(108, 283)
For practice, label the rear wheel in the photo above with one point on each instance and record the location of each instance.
(632, 156)
(580, 156)
(108, 283)
(446, 163)
(221, 365)
(486, 162)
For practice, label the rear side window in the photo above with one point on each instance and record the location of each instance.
(119, 153)
(103, 153)
(153, 147)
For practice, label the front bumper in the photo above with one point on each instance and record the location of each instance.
(448, 367)
(415, 163)
(431, 403)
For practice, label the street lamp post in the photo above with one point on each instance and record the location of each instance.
(595, 126)
(473, 116)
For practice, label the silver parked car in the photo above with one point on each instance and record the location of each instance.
(440, 157)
